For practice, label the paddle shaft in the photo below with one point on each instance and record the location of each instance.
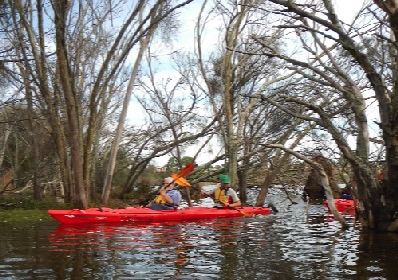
(243, 213)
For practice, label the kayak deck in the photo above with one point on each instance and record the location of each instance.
(138, 214)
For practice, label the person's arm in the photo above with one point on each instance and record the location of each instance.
(162, 192)
(235, 204)
(208, 193)
(235, 198)
(179, 198)
(205, 194)
(166, 197)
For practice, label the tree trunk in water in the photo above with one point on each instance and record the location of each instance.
(188, 196)
(323, 180)
(61, 8)
(276, 166)
(265, 186)
(242, 179)
(313, 187)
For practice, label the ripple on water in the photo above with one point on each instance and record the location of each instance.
(286, 245)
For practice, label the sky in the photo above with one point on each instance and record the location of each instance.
(346, 9)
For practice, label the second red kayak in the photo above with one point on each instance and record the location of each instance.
(137, 214)
(342, 205)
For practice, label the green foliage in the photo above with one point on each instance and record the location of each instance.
(16, 216)
(173, 165)
(24, 210)
(27, 203)
(112, 203)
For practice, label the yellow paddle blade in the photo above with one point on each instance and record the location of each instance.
(180, 180)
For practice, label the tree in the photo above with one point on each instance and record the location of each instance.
(79, 84)
(5, 131)
(236, 79)
(340, 73)
(323, 181)
(171, 122)
(159, 11)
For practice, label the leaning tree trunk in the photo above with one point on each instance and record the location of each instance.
(313, 187)
(323, 181)
(120, 126)
(279, 160)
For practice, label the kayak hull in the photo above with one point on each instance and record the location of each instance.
(138, 214)
(342, 205)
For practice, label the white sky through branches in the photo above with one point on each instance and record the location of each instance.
(346, 9)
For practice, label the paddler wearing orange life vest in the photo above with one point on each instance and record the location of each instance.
(168, 198)
(223, 195)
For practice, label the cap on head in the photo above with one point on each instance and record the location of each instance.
(168, 180)
(224, 179)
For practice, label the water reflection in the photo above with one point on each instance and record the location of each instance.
(286, 245)
(203, 248)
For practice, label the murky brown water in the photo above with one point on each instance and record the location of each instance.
(286, 245)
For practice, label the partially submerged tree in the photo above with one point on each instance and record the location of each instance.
(347, 67)
(323, 180)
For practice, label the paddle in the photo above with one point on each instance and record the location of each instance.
(180, 181)
(243, 213)
(178, 178)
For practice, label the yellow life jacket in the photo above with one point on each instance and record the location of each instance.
(220, 197)
(159, 200)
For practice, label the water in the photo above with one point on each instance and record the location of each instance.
(286, 245)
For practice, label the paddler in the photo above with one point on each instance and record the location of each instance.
(223, 195)
(168, 198)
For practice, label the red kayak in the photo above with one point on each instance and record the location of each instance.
(342, 205)
(137, 214)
